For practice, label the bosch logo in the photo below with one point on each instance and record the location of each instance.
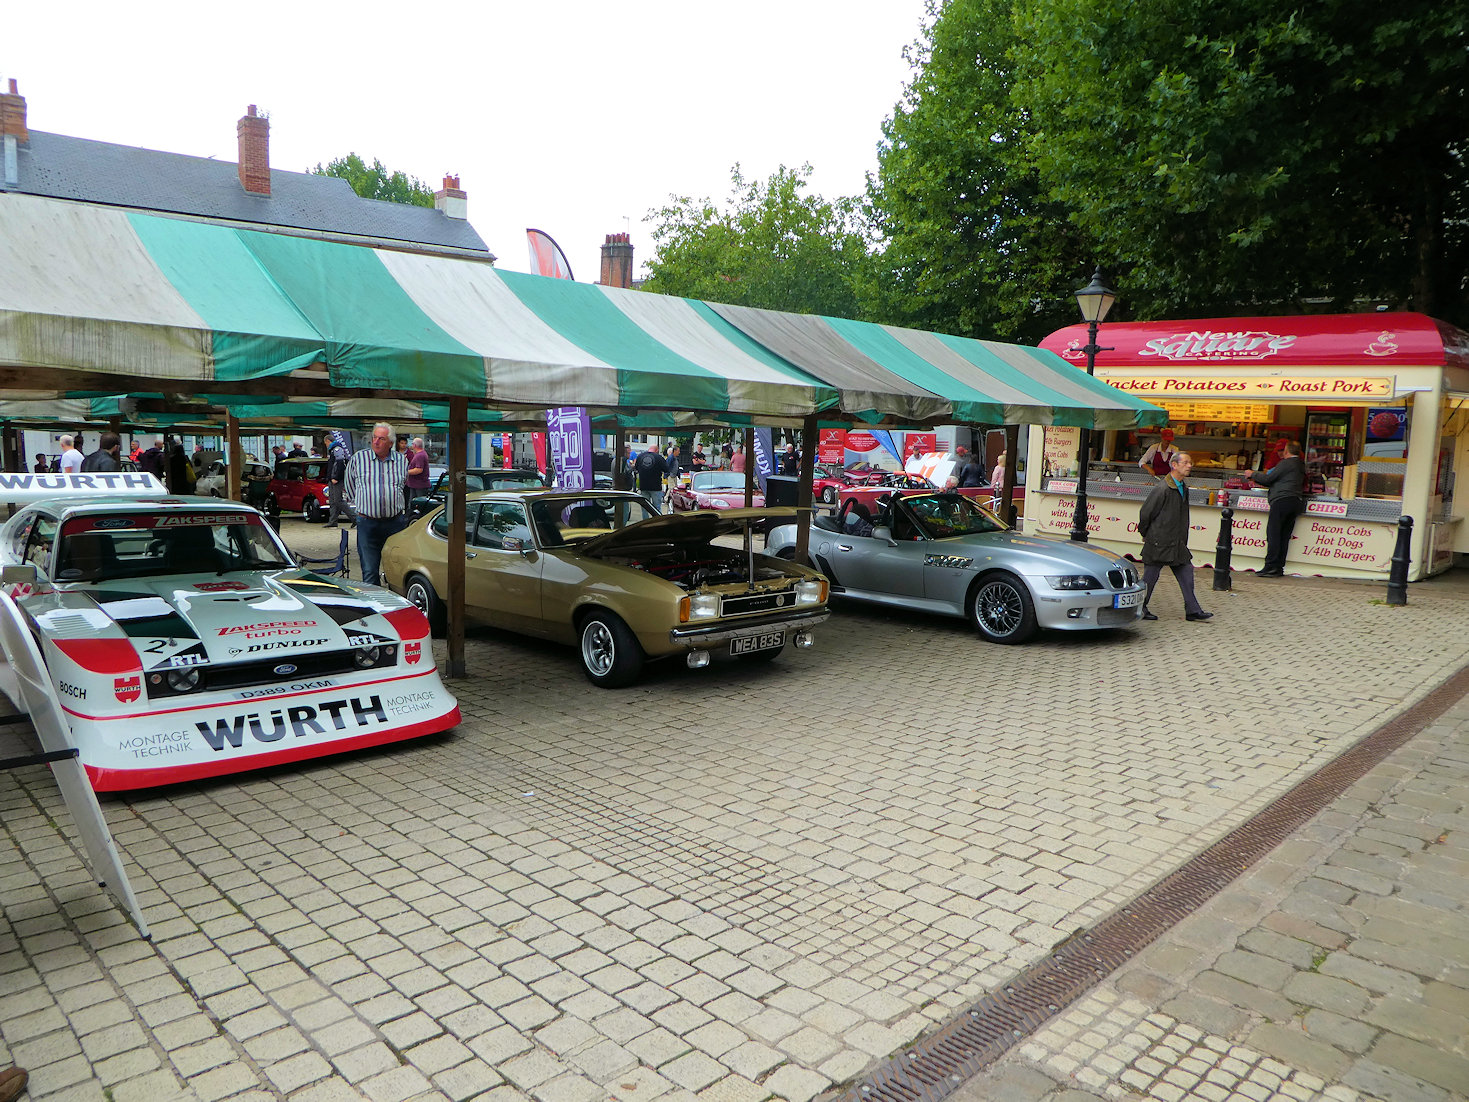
(285, 669)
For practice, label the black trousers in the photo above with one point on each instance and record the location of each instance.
(1278, 528)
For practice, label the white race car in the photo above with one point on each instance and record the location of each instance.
(185, 643)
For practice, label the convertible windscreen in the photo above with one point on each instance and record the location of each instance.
(130, 545)
(943, 515)
(708, 483)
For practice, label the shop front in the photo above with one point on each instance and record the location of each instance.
(1378, 402)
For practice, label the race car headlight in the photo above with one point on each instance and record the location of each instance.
(810, 592)
(365, 658)
(703, 606)
(1073, 581)
(183, 681)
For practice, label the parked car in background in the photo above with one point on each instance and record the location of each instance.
(946, 553)
(300, 486)
(213, 481)
(712, 490)
(476, 480)
(604, 573)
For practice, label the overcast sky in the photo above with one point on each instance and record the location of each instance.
(573, 116)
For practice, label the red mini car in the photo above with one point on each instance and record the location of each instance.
(300, 485)
(831, 482)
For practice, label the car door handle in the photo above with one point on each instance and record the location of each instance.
(844, 547)
(469, 554)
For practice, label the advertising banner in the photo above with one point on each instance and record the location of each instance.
(764, 455)
(570, 431)
(918, 444)
(538, 444)
(831, 446)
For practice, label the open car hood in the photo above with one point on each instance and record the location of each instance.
(699, 525)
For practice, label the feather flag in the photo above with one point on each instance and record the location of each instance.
(546, 257)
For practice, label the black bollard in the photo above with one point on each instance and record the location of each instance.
(1223, 550)
(1397, 578)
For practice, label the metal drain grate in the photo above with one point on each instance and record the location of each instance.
(977, 1037)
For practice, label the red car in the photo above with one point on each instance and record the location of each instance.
(831, 481)
(713, 490)
(300, 485)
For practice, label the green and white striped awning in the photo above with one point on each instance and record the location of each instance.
(156, 301)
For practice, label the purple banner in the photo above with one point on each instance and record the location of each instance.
(569, 430)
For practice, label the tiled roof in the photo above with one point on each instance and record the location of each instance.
(63, 167)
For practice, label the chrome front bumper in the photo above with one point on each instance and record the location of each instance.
(700, 638)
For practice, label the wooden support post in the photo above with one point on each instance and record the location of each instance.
(1012, 462)
(810, 437)
(749, 468)
(454, 599)
(234, 459)
(619, 463)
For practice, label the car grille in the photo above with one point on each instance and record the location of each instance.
(757, 602)
(1122, 579)
(262, 672)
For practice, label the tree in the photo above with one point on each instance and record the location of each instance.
(969, 244)
(773, 247)
(374, 181)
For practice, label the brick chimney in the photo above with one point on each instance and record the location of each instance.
(254, 134)
(452, 201)
(13, 115)
(13, 133)
(617, 261)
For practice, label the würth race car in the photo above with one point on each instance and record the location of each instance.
(184, 643)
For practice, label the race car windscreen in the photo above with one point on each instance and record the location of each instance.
(100, 546)
(943, 515)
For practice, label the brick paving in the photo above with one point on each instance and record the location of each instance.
(735, 884)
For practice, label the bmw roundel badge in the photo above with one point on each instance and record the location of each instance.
(285, 669)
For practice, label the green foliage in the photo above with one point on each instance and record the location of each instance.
(374, 181)
(1244, 158)
(774, 247)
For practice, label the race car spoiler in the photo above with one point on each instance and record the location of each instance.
(21, 488)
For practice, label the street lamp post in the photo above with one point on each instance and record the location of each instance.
(1095, 299)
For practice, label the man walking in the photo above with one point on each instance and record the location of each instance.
(671, 467)
(336, 471)
(1163, 523)
(374, 488)
(1287, 482)
(151, 460)
(650, 469)
(105, 459)
(71, 458)
(416, 485)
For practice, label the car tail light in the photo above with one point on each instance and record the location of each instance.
(101, 655)
(408, 622)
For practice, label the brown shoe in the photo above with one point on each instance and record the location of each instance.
(12, 1083)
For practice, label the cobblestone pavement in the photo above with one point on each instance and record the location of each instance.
(1336, 969)
(735, 883)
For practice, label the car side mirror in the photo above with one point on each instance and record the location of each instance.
(886, 535)
(515, 543)
(18, 574)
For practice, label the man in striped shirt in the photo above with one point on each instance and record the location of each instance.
(374, 486)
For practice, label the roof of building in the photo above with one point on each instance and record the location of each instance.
(62, 167)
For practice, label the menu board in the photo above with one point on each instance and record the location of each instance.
(1252, 413)
(1062, 450)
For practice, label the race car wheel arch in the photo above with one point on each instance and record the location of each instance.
(610, 655)
(420, 591)
(1001, 609)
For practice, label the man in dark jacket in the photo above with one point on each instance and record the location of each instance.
(105, 459)
(152, 460)
(968, 469)
(1163, 523)
(649, 469)
(336, 472)
(1287, 482)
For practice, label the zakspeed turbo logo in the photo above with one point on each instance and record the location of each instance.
(270, 625)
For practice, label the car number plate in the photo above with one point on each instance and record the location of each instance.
(1127, 600)
(745, 644)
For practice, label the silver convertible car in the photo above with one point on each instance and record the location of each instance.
(944, 553)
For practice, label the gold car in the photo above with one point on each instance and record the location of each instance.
(607, 574)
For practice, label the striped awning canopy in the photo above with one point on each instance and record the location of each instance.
(158, 301)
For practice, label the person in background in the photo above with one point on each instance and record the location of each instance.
(416, 484)
(698, 461)
(1163, 524)
(671, 467)
(790, 460)
(737, 460)
(1156, 459)
(137, 452)
(650, 469)
(43, 463)
(297, 451)
(278, 453)
(1287, 482)
(71, 458)
(151, 461)
(969, 469)
(997, 485)
(374, 488)
(336, 471)
(181, 476)
(105, 459)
